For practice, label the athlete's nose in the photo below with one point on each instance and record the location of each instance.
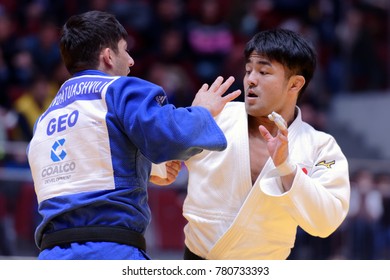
(131, 60)
(251, 79)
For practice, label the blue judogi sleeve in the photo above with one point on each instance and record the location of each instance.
(161, 131)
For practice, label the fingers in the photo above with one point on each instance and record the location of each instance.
(279, 121)
(265, 133)
(224, 87)
(213, 98)
(173, 168)
(204, 87)
(219, 87)
(174, 165)
(231, 96)
(216, 85)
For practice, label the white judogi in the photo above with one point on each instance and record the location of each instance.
(229, 218)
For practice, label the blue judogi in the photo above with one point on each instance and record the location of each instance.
(91, 156)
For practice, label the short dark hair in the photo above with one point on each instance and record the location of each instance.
(288, 48)
(85, 35)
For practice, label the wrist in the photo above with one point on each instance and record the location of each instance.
(286, 168)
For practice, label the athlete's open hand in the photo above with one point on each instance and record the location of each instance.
(212, 97)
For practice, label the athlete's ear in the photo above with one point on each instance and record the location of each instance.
(106, 56)
(296, 83)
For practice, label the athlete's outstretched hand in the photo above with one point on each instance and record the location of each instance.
(212, 97)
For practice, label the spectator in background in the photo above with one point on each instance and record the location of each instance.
(4, 82)
(364, 69)
(363, 217)
(171, 67)
(313, 114)
(234, 62)
(7, 46)
(169, 29)
(23, 70)
(175, 81)
(8, 35)
(169, 63)
(137, 18)
(382, 236)
(210, 39)
(43, 47)
(59, 75)
(32, 103)
(169, 14)
(10, 187)
(6, 242)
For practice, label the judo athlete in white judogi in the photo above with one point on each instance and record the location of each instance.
(247, 201)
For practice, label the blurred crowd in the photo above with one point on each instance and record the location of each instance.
(181, 44)
(365, 234)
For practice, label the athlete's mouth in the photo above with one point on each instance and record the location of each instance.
(251, 94)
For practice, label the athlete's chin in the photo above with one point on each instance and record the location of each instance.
(251, 108)
(255, 108)
(252, 102)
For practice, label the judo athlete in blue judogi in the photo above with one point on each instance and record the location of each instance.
(92, 150)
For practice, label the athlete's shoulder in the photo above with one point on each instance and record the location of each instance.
(232, 111)
(136, 81)
(233, 106)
